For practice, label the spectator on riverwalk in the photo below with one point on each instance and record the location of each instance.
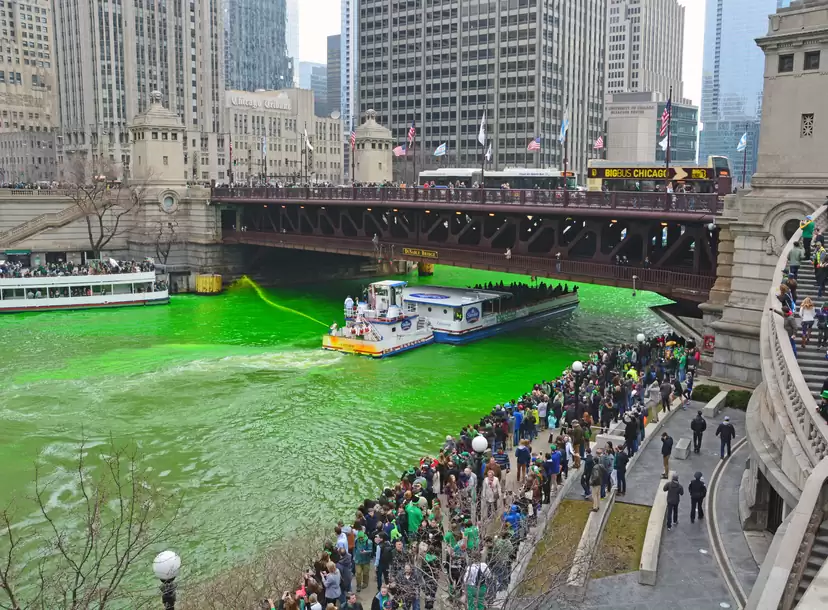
(698, 426)
(577, 435)
(621, 461)
(332, 580)
(586, 477)
(607, 460)
(795, 257)
(382, 599)
(666, 451)
(674, 492)
(502, 459)
(523, 453)
(477, 579)
(789, 324)
(382, 560)
(697, 490)
(492, 492)
(313, 602)
(352, 603)
(631, 432)
(726, 432)
(666, 389)
(596, 479)
(363, 552)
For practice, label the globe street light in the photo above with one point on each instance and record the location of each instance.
(577, 368)
(641, 337)
(166, 566)
(480, 444)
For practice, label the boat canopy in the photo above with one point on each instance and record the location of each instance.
(450, 296)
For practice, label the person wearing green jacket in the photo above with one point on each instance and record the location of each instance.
(363, 553)
(415, 517)
(807, 226)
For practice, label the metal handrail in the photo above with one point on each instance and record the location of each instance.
(779, 365)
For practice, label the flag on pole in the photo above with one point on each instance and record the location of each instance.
(353, 139)
(399, 151)
(441, 150)
(663, 143)
(564, 127)
(264, 145)
(307, 142)
(742, 143)
(666, 116)
(534, 144)
(599, 143)
(412, 132)
(481, 136)
(489, 153)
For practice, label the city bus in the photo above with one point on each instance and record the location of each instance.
(451, 175)
(521, 178)
(715, 177)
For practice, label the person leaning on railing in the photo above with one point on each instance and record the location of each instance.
(790, 324)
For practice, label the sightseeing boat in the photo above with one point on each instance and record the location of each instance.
(462, 315)
(381, 326)
(80, 292)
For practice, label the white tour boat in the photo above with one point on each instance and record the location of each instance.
(461, 315)
(80, 292)
(381, 327)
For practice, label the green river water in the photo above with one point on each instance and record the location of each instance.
(234, 404)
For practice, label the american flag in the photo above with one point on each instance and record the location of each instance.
(665, 117)
(534, 144)
(411, 133)
(353, 139)
(399, 151)
(599, 143)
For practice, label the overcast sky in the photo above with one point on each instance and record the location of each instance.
(318, 19)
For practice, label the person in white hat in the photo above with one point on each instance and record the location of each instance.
(726, 432)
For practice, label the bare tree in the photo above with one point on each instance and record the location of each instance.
(166, 236)
(122, 517)
(104, 201)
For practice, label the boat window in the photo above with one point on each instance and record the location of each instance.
(429, 308)
(410, 307)
(445, 311)
(393, 329)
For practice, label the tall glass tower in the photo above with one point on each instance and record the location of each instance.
(732, 79)
(255, 45)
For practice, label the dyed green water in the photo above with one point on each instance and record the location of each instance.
(234, 403)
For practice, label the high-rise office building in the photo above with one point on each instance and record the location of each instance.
(292, 33)
(645, 40)
(314, 76)
(524, 64)
(349, 68)
(112, 56)
(28, 80)
(256, 49)
(733, 78)
(334, 75)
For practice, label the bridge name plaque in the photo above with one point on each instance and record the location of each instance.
(420, 253)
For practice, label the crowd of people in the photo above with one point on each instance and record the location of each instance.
(451, 522)
(9, 269)
(526, 294)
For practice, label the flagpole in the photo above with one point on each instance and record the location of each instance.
(744, 162)
(669, 126)
(483, 151)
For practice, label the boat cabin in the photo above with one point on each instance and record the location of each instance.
(457, 309)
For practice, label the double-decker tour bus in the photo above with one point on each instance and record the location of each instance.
(715, 177)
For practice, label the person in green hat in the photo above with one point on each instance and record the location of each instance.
(363, 553)
(415, 517)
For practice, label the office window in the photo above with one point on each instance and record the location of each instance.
(786, 63)
(807, 129)
(811, 61)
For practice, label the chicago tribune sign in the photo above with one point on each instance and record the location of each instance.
(281, 103)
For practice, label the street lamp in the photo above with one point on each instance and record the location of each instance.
(641, 337)
(635, 277)
(577, 368)
(166, 566)
(480, 444)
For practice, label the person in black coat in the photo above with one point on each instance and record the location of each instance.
(726, 432)
(621, 460)
(698, 490)
(385, 554)
(666, 451)
(630, 433)
(698, 426)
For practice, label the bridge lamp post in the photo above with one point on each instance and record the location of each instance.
(479, 445)
(166, 566)
(635, 277)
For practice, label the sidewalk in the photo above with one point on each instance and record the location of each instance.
(687, 577)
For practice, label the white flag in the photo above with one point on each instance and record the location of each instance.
(489, 153)
(742, 143)
(564, 127)
(307, 142)
(663, 143)
(481, 137)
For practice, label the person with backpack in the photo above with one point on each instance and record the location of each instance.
(586, 477)
(607, 459)
(596, 480)
(726, 432)
(698, 490)
(674, 492)
(698, 426)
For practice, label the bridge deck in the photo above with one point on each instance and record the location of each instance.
(675, 284)
(679, 206)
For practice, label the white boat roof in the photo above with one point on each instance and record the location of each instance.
(450, 296)
(390, 283)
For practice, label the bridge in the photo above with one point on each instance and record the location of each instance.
(650, 241)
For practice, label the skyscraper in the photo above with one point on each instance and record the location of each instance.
(256, 47)
(112, 56)
(732, 79)
(292, 34)
(334, 74)
(349, 67)
(645, 40)
(525, 64)
(314, 76)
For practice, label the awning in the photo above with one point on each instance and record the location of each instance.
(18, 252)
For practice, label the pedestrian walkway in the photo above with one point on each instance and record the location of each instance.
(688, 574)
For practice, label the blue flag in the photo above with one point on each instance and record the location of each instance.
(564, 127)
(742, 143)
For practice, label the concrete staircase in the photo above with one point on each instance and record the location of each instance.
(818, 556)
(812, 361)
(40, 223)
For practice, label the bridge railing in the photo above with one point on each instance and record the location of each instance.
(702, 203)
(780, 367)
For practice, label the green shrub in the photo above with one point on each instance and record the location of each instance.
(737, 399)
(705, 393)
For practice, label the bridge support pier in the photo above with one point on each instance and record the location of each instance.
(425, 269)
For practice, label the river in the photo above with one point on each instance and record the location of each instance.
(233, 402)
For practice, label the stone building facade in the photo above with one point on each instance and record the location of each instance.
(373, 151)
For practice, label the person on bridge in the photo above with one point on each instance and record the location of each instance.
(698, 490)
(698, 426)
(726, 432)
(790, 324)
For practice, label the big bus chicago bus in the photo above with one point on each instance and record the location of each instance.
(715, 177)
